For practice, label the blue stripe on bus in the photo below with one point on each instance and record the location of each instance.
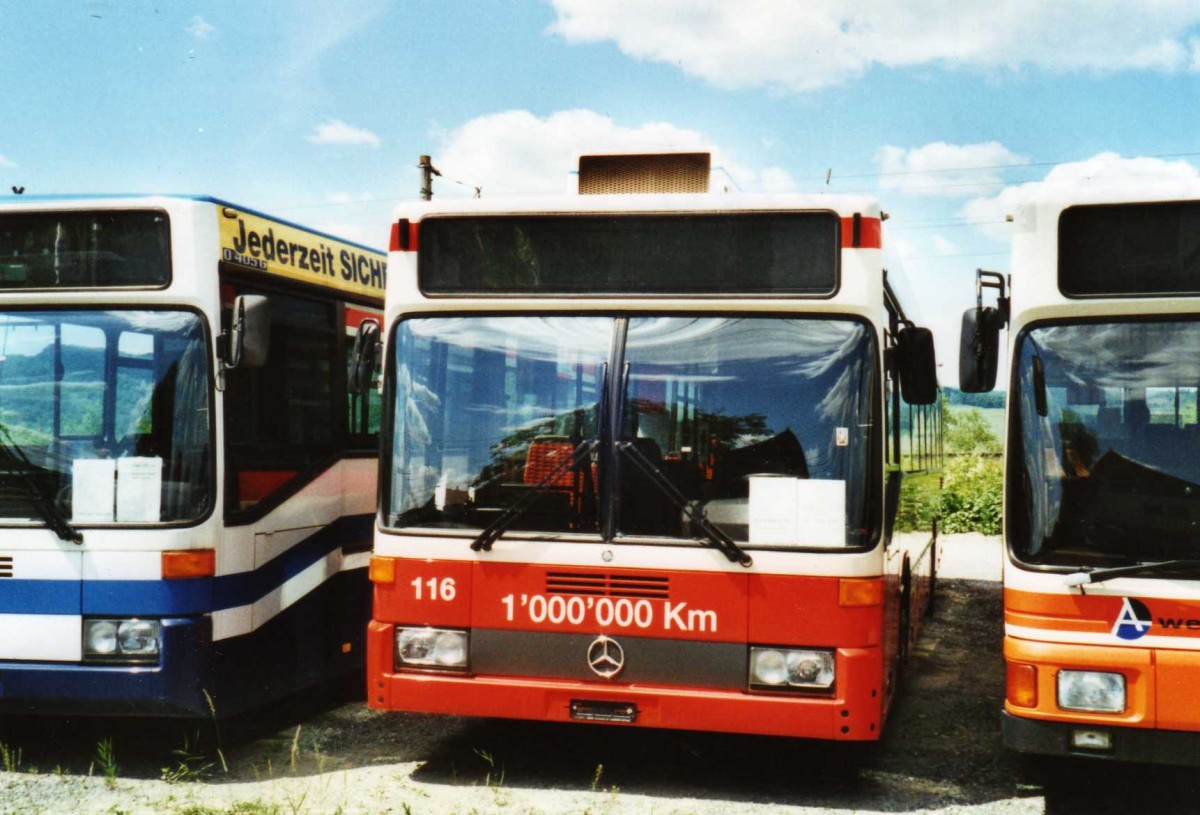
(39, 596)
(148, 598)
(151, 598)
(245, 587)
(194, 669)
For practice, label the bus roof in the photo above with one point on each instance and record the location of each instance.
(1052, 196)
(843, 204)
(124, 199)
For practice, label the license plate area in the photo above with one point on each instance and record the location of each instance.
(590, 711)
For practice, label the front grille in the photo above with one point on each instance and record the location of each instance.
(6, 566)
(608, 585)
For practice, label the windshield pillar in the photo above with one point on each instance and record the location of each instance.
(615, 386)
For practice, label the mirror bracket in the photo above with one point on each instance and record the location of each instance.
(366, 357)
(247, 340)
(985, 279)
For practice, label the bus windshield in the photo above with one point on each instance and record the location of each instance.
(723, 409)
(105, 413)
(1107, 467)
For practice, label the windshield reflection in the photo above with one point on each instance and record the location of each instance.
(1110, 474)
(487, 407)
(89, 397)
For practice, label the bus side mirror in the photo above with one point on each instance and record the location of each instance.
(249, 332)
(364, 360)
(918, 365)
(979, 349)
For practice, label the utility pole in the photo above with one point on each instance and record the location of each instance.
(428, 171)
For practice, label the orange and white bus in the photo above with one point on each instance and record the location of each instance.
(642, 462)
(1102, 492)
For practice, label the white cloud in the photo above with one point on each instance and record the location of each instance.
(335, 131)
(312, 31)
(943, 245)
(7, 163)
(775, 179)
(950, 170)
(801, 45)
(516, 152)
(200, 28)
(1165, 177)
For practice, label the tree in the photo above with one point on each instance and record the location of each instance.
(966, 431)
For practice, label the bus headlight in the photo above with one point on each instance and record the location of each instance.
(805, 669)
(441, 648)
(1093, 691)
(121, 640)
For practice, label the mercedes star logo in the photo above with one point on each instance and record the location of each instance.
(605, 657)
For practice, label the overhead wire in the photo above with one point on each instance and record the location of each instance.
(828, 179)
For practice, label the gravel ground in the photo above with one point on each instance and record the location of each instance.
(329, 754)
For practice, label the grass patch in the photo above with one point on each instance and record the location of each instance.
(239, 808)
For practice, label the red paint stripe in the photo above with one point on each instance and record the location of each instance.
(413, 232)
(255, 485)
(354, 316)
(871, 236)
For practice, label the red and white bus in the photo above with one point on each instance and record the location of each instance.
(643, 462)
(1102, 491)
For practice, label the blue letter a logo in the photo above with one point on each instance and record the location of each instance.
(1134, 620)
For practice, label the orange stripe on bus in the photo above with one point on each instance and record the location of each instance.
(1057, 623)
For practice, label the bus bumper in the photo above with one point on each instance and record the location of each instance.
(1132, 744)
(852, 713)
(172, 687)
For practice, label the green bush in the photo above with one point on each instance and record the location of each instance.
(920, 501)
(972, 494)
(973, 488)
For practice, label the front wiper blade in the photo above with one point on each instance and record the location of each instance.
(45, 507)
(1100, 575)
(712, 532)
(483, 542)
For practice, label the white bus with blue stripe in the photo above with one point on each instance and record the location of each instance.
(187, 484)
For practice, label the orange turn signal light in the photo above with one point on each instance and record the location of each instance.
(859, 592)
(1021, 684)
(189, 563)
(382, 570)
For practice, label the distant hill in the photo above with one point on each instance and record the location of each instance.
(954, 396)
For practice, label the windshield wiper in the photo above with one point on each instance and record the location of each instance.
(711, 531)
(45, 507)
(1190, 567)
(483, 542)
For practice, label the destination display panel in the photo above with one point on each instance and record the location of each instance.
(1130, 250)
(751, 253)
(89, 249)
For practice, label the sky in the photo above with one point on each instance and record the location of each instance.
(317, 112)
